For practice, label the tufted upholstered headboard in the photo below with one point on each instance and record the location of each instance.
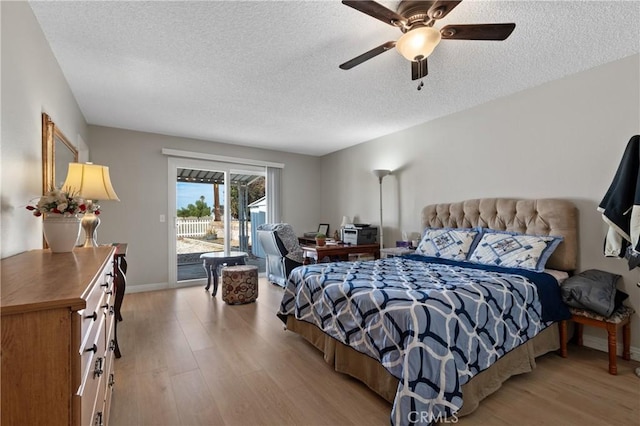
(539, 217)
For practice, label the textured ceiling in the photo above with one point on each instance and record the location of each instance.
(265, 73)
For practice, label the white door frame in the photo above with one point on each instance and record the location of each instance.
(189, 163)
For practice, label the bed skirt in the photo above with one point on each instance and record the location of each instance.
(370, 372)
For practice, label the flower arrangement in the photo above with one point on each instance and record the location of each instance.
(61, 201)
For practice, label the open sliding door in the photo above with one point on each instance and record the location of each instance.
(213, 206)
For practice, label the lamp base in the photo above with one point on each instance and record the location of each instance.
(90, 223)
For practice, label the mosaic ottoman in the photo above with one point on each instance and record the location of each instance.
(239, 284)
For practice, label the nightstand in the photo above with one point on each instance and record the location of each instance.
(395, 251)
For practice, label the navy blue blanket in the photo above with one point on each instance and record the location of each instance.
(553, 308)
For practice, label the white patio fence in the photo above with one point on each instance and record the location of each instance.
(192, 226)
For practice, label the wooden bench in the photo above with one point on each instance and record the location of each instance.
(620, 317)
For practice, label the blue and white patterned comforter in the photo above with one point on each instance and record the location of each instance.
(431, 325)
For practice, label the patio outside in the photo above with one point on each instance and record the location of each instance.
(195, 236)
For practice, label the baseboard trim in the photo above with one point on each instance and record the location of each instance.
(602, 345)
(140, 288)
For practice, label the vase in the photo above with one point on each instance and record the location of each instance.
(61, 232)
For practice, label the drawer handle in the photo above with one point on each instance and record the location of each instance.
(94, 316)
(105, 306)
(108, 292)
(112, 380)
(112, 345)
(98, 419)
(97, 369)
(110, 274)
(105, 284)
(93, 349)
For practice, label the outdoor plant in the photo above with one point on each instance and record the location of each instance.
(199, 209)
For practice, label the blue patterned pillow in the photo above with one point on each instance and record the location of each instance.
(447, 243)
(513, 250)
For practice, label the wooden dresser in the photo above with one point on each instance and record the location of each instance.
(57, 321)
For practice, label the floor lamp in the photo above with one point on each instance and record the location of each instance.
(91, 182)
(380, 174)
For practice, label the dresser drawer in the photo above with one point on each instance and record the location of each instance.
(93, 372)
(101, 292)
(99, 416)
(93, 337)
(90, 313)
(109, 382)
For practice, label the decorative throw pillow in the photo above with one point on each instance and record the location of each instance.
(594, 290)
(513, 250)
(447, 243)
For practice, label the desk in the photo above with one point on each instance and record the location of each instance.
(307, 240)
(340, 251)
(211, 262)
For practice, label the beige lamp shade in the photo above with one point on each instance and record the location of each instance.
(418, 43)
(90, 181)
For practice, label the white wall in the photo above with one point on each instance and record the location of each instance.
(138, 172)
(32, 83)
(563, 139)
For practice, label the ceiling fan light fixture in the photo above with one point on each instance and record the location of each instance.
(417, 42)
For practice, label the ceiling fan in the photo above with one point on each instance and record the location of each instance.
(416, 19)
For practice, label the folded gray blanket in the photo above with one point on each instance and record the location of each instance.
(592, 289)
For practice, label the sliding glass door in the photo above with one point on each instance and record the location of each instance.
(213, 207)
(199, 224)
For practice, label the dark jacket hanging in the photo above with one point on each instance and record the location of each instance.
(620, 206)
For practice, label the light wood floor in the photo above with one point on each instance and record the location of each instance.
(190, 359)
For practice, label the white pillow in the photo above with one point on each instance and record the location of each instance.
(447, 243)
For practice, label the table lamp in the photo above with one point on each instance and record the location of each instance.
(91, 182)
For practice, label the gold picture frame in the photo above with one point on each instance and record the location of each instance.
(57, 153)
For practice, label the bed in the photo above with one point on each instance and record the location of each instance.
(432, 335)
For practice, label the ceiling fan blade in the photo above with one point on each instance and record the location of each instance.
(419, 69)
(376, 10)
(477, 32)
(441, 8)
(368, 55)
